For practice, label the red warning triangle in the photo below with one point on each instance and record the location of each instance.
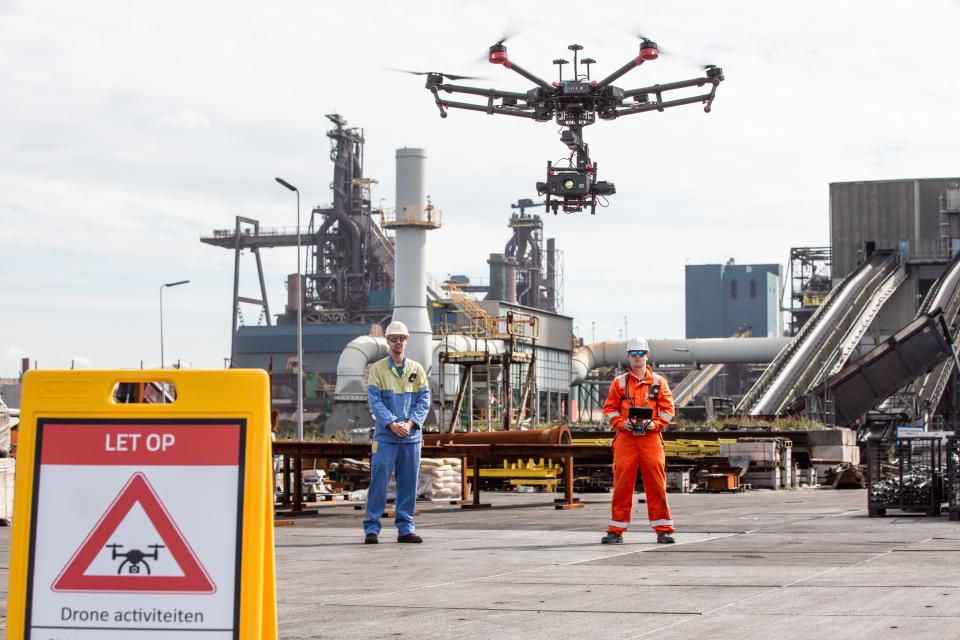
(137, 489)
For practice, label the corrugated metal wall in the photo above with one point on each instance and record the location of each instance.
(894, 215)
(886, 212)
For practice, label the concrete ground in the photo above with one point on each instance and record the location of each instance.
(808, 563)
(805, 563)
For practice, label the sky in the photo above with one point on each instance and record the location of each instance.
(131, 129)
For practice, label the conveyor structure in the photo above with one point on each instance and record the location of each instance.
(917, 361)
(826, 341)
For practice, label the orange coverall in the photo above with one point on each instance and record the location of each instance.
(645, 451)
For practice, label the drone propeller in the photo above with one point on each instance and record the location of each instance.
(449, 76)
(647, 41)
(508, 34)
(673, 55)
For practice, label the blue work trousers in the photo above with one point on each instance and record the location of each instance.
(404, 458)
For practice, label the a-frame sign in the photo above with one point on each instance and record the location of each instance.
(139, 520)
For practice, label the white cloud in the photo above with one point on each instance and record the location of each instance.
(184, 119)
(14, 354)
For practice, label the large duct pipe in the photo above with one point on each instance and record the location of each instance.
(691, 351)
(353, 363)
(410, 292)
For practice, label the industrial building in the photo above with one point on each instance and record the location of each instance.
(722, 299)
(911, 217)
(878, 348)
(503, 353)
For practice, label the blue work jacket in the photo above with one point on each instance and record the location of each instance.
(398, 395)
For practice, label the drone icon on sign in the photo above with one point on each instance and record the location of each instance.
(134, 558)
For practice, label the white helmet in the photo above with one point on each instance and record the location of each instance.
(396, 328)
(637, 344)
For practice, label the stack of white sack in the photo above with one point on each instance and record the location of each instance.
(439, 478)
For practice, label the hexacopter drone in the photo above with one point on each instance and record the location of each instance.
(575, 103)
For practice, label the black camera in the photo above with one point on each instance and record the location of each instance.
(573, 188)
(565, 183)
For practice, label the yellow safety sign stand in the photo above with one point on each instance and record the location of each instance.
(143, 507)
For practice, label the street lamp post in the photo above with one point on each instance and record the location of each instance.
(299, 319)
(162, 287)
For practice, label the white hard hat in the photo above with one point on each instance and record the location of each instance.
(637, 344)
(396, 328)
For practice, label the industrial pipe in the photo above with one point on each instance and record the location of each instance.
(556, 435)
(694, 351)
(353, 362)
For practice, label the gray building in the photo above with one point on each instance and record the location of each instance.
(908, 216)
(722, 298)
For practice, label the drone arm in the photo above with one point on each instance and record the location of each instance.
(495, 93)
(660, 105)
(670, 86)
(526, 74)
(636, 62)
(507, 111)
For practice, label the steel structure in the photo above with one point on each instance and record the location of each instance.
(809, 276)
(349, 271)
(529, 272)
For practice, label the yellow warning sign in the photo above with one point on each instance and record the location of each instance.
(143, 507)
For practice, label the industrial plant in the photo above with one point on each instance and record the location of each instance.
(502, 354)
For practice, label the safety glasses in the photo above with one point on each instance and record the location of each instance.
(636, 354)
(396, 338)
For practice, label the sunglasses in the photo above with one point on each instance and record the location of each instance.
(396, 338)
(636, 354)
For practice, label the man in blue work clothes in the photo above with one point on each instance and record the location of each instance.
(399, 398)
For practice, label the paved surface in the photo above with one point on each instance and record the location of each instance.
(807, 563)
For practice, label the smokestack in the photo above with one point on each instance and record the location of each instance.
(551, 282)
(413, 218)
(497, 268)
(510, 280)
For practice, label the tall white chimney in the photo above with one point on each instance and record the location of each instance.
(413, 218)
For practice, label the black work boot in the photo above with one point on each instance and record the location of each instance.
(409, 537)
(370, 538)
(612, 538)
(665, 538)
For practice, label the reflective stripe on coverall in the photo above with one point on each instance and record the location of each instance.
(632, 451)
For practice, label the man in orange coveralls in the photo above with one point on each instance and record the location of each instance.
(638, 443)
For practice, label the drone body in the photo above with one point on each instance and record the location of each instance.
(574, 103)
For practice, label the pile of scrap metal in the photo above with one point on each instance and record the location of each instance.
(914, 487)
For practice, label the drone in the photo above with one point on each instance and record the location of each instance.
(134, 558)
(574, 103)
